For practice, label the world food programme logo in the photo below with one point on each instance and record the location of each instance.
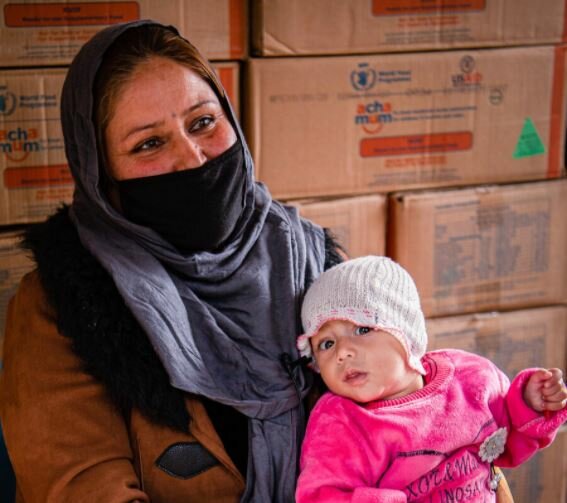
(363, 78)
(7, 103)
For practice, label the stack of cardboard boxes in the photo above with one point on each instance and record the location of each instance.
(433, 132)
(37, 42)
(428, 130)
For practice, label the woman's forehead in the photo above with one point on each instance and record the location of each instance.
(161, 83)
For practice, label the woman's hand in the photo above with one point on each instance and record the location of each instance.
(546, 390)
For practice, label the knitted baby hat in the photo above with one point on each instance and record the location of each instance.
(369, 291)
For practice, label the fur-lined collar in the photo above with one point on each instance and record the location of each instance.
(105, 335)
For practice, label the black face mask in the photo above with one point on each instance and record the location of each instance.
(194, 209)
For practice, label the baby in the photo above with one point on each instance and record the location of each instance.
(400, 424)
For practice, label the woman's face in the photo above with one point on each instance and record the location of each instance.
(165, 118)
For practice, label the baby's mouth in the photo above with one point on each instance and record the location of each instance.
(353, 376)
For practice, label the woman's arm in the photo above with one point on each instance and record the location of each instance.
(66, 441)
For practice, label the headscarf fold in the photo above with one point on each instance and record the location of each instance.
(219, 321)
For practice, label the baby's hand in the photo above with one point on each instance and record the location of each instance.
(545, 390)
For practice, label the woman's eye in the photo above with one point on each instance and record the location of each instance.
(362, 330)
(202, 123)
(324, 345)
(149, 144)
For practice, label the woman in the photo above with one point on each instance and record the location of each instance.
(151, 355)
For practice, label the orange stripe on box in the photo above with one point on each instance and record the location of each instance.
(416, 144)
(32, 15)
(226, 76)
(399, 7)
(555, 157)
(37, 176)
(236, 28)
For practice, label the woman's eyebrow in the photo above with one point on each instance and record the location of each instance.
(142, 127)
(197, 105)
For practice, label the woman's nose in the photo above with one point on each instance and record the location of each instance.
(188, 154)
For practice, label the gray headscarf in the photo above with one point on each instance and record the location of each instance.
(218, 321)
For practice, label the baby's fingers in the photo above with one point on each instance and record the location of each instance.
(554, 391)
(554, 375)
(554, 405)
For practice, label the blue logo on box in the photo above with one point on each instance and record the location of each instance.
(7, 103)
(363, 78)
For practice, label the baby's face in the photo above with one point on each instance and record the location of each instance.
(362, 363)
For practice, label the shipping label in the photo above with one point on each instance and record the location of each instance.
(499, 252)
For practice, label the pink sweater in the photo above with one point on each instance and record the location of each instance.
(424, 447)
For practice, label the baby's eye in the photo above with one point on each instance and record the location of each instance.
(324, 345)
(362, 330)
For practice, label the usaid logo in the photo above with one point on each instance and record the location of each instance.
(363, 77)
(7, 103)
(468, 76)
(467, 64)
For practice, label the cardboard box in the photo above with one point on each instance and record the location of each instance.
(513, 340)
(516, 340)
(543, 478)
(562, 435)
(297, 27)
(14, 263)
(378, 123)
(229, 74)
(50, 33)
(35, 177)
(359, 223)
(483, 248)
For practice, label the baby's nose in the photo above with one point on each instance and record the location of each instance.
(345, 350)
